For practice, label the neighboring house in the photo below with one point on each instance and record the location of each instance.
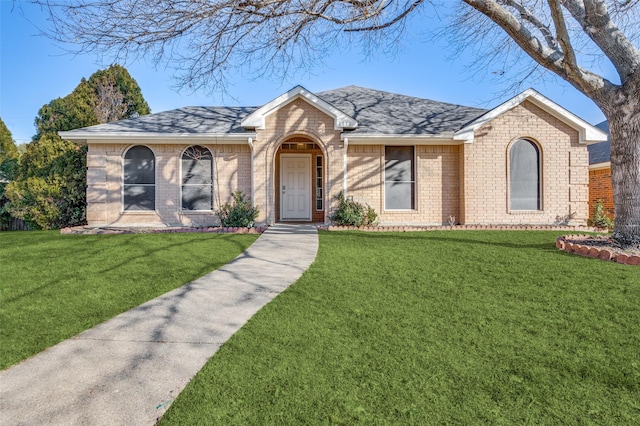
(415, 161)
(600, 183)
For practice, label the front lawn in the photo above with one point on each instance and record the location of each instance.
(458, 327)
(54, 286)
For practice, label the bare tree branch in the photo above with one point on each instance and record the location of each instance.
(389, 23)
(552, 59)
(596, 23)
(569, 61)
(529, 16)
(204, 39)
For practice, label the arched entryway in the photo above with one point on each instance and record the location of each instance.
(299, 180)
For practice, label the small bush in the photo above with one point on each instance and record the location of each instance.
(239, 214)
(371, 217)
(352, 213)
(600, 218)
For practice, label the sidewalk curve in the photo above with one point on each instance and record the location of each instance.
(128, 370)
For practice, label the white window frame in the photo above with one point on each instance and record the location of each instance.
(414, 187)
(319, 177)
(182, 209)
(155, 178)
(540, 182)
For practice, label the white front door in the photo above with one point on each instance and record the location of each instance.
(295, 187)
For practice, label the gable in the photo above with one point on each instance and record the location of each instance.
(256, 120)
(299, 116)
(528, 121)
(587, 132)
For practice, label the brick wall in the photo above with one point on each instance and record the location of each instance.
(295, 119)
(104, 184)
(600, 188)
(564, 170)
(437, 183)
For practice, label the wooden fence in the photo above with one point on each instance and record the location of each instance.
(14, 225)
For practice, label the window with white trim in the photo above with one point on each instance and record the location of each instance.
(524, 176)
(319, 199)
(399, 178)
(197, 178)
(139, 189)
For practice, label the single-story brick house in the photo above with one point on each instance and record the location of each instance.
(415, 161)
(600, 183)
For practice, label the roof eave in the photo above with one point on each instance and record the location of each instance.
(160, 138)
(599, 166)
(399, 139)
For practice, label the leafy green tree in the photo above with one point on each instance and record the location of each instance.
(8, 169)
(117, 95)
(50, 188)
(8, 149)
(51, 185)
(74, 111)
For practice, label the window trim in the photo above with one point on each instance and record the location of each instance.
(414, 192)
(319, 183)
(189, 211)
(155, 192)
(538, 147)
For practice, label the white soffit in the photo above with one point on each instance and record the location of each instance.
(385, 139)
(256, 120)
(158, 138)
(599, 166)
(587, 133)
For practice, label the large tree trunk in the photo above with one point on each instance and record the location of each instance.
(623, 113)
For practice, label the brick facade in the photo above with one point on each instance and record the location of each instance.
(470, 182)
(232, 171)
(465, 181)
(601, 188)
(437, 183)
(295, 119)
(564, 170)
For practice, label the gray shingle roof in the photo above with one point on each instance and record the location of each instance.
(196, 120)
(377, 112)
(600, 152)
(381, 112)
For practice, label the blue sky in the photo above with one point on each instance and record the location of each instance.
(33, 71)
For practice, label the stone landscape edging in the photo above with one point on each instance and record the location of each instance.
(168, 230)
(593, 252)
(459, 227)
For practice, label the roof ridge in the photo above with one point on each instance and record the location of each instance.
(401, 95)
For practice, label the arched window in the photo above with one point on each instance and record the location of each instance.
(524, 176)
(139, 179)
(197, 179)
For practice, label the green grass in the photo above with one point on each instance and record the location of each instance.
(54, 286)
(456, 327)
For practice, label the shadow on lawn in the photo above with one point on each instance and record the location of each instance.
(191, 243)
(138, 361)
(514, 241)
(47, 247)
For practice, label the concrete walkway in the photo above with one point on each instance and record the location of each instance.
(128, 370)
